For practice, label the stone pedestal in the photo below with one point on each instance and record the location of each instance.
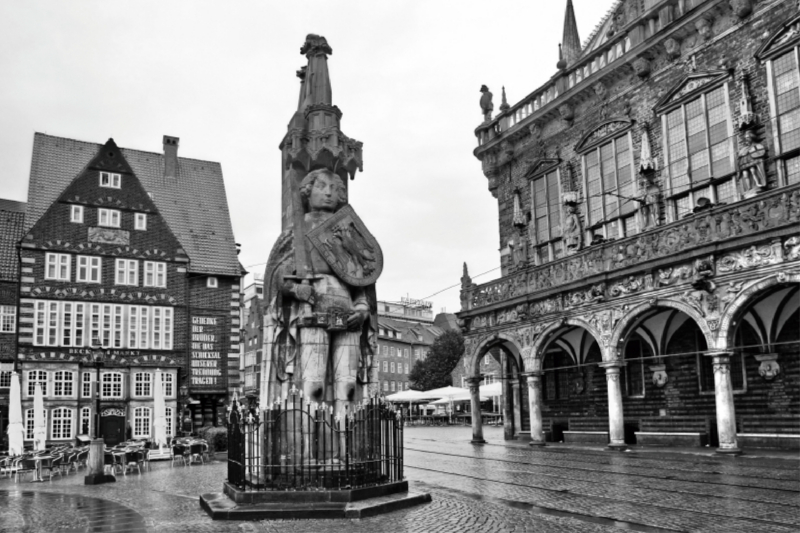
(535, 408)
(94, 464)
(616, 424)
(475, 403)
(723, 394)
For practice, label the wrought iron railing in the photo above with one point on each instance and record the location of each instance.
(306, 446)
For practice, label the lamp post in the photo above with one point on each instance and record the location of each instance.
(97, 446)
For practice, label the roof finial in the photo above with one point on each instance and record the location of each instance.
(570, 42)
(504, 106)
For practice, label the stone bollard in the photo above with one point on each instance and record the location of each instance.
(94, 463)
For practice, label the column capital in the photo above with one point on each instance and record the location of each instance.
(612, 365)
(718, 353)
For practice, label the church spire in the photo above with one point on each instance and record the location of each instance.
(570, 42)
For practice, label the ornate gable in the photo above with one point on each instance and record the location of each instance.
(780, 41)
(541, 166)
(691, 86)
(604, 132)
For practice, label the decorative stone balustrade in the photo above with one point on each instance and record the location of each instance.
(776, 209)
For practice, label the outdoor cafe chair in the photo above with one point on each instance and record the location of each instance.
(52, 464)
(81, 459)
(179, 450)
(7, 465)
(110, 461)
(196, 452)
(23, 466)
(132, 459)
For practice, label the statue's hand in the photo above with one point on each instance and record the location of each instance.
(304, 293)
(356, 318)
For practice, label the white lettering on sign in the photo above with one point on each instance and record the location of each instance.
(206, 354)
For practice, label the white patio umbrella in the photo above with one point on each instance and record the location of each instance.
(442, 392)
(492, 389)
(159, 412)
(39, 424)
(458, 398)
(406, 396)
(16, 431)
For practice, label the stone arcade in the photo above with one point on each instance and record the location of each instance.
(649, 205)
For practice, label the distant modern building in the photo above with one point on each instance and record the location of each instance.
(649, 204)
(12, 220)
(132, 253)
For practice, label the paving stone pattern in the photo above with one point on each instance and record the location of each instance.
(498, 487)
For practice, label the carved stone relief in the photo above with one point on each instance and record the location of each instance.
(765, 254)
(768, 367)
(660, 377)
(791, 249)
(596, 293)
(630, 285)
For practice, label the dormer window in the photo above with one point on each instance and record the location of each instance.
(212, 282)
(109, 179)
(108, 217)
(76, 214)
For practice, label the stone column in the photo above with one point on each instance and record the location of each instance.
(723, 394)
(517, 396)
(616, 425)
(475, 402)
(535, 408)
(508, 410)
(94, 462)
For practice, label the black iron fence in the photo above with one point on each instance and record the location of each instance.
(297, 446)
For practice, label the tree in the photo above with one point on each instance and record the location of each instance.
(434, 371)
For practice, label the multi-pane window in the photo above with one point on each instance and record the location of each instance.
(142, 384)
(168, 416)
(76, 214)
(786, 111)
(385, 388)
(57, 267)
(34, 377)
(393, 386)
(61, 424)
(610, 188)
(110, 179)
(126, 272)
(29, 419)
(140, 221)
(385, 350)
(391, 368)
(700, 152)
(86, 385)
(386, 366)
(155, 274)
(406, 367)
(108, 217)
(5, 379)
(168, 384)
(546, 215)
(88, 269)
(111, 385)
(8, 319)
(63, 383)
(86, 420)
(141, 422)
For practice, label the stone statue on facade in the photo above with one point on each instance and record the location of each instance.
(572, 233)
(751, 166)
(486, 103)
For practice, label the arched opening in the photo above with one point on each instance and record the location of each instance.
(667, 382)
(574, 399)
(764, 341)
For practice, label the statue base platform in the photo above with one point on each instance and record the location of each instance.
(236, 504)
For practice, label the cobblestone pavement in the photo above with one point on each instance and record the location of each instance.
(497, 487)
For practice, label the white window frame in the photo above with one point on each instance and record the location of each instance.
(154, 274)
(617, 218)
(8, 319)
(552, 248)
(86, 384)
(142, 385)
(783, 155)
(76, 214)
(5, 379)
(111, 180)
(29, 428)
(109, 218)
(386, 366)
(41, 376)
(63, 384)
(385, 386)
(142, 420)
(61, 427)
(140, 221)
(126, 272)
(114, 382)
(702, 188)
(86, 416)
(58, 267)
(212, 282)
(88, 269)
(392, 367)
(170, 422)
(168, 384)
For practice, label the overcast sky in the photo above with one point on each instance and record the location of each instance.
(221, 76)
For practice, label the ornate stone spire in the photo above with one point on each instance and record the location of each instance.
(747, 118)
(519, 217)
(646, 162)
(570, 42)
(504, 105)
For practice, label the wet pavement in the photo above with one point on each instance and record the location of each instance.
(497, 487)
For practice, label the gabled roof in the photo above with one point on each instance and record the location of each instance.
(194, 203)
(12, 229)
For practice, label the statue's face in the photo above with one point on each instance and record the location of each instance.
(324, 194)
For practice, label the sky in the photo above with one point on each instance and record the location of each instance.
(221, 76)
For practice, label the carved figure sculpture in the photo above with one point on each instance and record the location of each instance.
(751, 165)
(486, 103)
(319, 328)
(642, 67)
(703, 26)
(572, 229)
(673, 48)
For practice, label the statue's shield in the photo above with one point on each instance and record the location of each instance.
(348, 247)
